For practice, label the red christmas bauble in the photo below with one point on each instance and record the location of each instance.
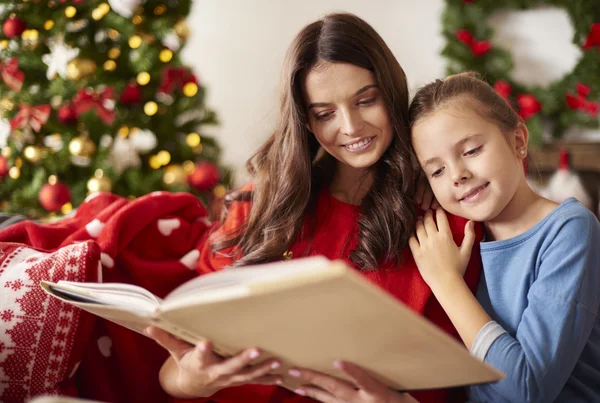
(131, 94)
(53, 197)
(66, 115)
(13, 27)
(3, 167)
(205, 176)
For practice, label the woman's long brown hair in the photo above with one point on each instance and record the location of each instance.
(287, 176)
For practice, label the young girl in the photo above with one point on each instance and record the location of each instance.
(336, 179)
(536, 312)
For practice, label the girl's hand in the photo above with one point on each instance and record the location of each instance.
(424, 197)
(198, 372)
(437, 256)
(362, 389)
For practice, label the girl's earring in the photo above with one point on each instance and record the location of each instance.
(522, 152)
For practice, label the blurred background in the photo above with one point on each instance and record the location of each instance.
(177, 95)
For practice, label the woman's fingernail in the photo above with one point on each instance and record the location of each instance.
(254, 354)
(338, 364)
(300, 392)
(294, 373)
(279, 382)
(275, 365)
(203, 346)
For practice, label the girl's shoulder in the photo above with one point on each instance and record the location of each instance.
(571, 219)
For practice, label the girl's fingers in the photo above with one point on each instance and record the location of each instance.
(420, 230)
(442, 221)
(413, 244)
(429, 223)
(468, 241)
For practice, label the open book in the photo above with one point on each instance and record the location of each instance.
(308, 312)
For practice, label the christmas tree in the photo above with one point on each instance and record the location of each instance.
(94, 97)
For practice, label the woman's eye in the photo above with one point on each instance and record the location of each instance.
(367, 101)
(473, 151)
(323, 116)
(437, 172)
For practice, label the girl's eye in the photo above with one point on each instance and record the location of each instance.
(367, 101)
(437, 173)
(473, 151)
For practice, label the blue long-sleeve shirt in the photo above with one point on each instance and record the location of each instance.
(543, 289)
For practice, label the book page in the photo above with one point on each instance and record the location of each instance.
(124, 296)
(238, 276)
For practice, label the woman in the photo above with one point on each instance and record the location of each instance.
(336, 179)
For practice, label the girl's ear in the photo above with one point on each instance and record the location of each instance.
(521, 140)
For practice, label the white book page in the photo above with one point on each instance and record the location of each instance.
(126, 296)
(240, 276)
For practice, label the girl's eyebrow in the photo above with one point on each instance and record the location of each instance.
(363, 89)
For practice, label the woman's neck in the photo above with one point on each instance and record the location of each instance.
(524, 211)
(350, 185)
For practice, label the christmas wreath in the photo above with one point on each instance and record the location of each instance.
(570, 101)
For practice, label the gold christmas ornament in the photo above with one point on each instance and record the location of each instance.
(82, 146)
(14, 172)
(114, 53)
(198, 149)
(66, 208)
(154, 162)
(188, 167)
(18, 162)
(150, 108)
(159, 10)
(182, 30)
(137, 19)
(70, 11)
(80, 68)
(163, 157)
(48, 25)
(193, 140)
(99, 182)
(100, 11)
(135, 41)
(6, 105)
(143, 78)
(190, 89)
(52, 179)
(3, 44)
(6, 152)
(123, 131)
(33, 153)
(174, 175)
(110, 65)
(219, 191)
(165, 55)
(113, 34)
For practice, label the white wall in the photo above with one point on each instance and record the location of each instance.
(237, 49)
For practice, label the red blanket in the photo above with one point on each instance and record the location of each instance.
(46, 347)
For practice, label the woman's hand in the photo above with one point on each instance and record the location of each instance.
(425, 197)
(362, 389)
(196, 371)
(437, 256)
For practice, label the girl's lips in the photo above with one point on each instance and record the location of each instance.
(473, 193)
